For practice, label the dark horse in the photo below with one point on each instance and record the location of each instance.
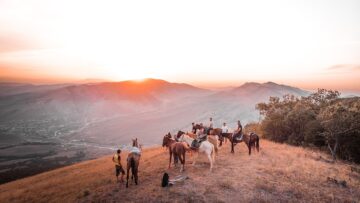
(133, 160)
(251, 140)
(176, 149)
(196, 127)
(222, 136)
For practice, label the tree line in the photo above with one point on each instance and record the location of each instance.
(322, 120)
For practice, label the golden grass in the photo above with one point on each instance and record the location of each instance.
(279, 173)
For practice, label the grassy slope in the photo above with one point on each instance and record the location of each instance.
(278, 173)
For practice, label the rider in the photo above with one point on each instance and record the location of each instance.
(210, 126)
(224, 128)
(201, 134)
(193, 127)
(238, 130)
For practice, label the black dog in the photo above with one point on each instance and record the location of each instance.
(165, 180)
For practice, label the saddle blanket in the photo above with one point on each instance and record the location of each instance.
(135, 150)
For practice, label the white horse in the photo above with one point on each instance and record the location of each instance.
(205, 147)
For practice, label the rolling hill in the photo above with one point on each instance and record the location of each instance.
(42, 128)
(279, 173)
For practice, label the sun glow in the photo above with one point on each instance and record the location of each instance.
(187, 41)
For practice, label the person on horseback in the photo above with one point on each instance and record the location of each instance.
(224, 128)
(193, 130)
(210, 126)
(201, 136)
(238, 132)
(118, 167)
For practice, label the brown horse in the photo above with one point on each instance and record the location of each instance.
(176, 149)
(222, 136)
(197, 127)
(133, 161)
(251, 140)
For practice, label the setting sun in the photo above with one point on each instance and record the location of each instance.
(228, 43)
(223, 100)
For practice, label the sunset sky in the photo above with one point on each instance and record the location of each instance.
(309, 44)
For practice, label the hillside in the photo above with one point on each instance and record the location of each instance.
(43, 127)
(279, 173)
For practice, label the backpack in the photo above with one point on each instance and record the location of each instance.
(165, 180)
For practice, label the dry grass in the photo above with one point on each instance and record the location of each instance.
(279, 173)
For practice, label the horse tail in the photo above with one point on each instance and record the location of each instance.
(257, 143)
(132, 165)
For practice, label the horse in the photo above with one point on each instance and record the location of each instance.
(213, 139)
(251, 140)
(133, 161)
(176, 149)
(218, 132)
(205, 147)
(197, 127)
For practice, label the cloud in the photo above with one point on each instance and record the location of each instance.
(11, 42)
(345, 67)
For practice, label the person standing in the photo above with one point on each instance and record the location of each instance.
(118, 167)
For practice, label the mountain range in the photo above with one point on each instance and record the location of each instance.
(66, 123)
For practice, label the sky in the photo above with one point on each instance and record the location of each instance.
(309, 44)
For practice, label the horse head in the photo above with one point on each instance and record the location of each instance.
(166, 139)
(179, 133)
(135, 142)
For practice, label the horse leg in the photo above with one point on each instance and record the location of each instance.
(170, 158)
(136, 173)
(250, 145)
(216, 148)
(210, 160)
(176, 159)
(181, 163)
(127, 174)
(213, 155)
(195, 157)
(232, 146)
(257, 144)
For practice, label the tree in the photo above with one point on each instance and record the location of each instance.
(339, 119)
(321, 119)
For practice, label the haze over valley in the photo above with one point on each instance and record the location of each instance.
(47, 126)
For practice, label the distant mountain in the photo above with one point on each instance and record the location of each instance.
(95, 99)
(76, 122)
(7, 89)
(256, 92)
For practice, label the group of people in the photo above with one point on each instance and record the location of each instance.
(205, 129)
(201, 133)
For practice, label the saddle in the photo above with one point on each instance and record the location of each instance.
(238, 137)
(196, 143)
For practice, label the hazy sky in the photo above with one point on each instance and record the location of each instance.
(308, 44)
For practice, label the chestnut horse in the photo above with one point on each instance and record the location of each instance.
(222, 136)
(176, 149)
(196, 127)
(251, 140)
(133, 161)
